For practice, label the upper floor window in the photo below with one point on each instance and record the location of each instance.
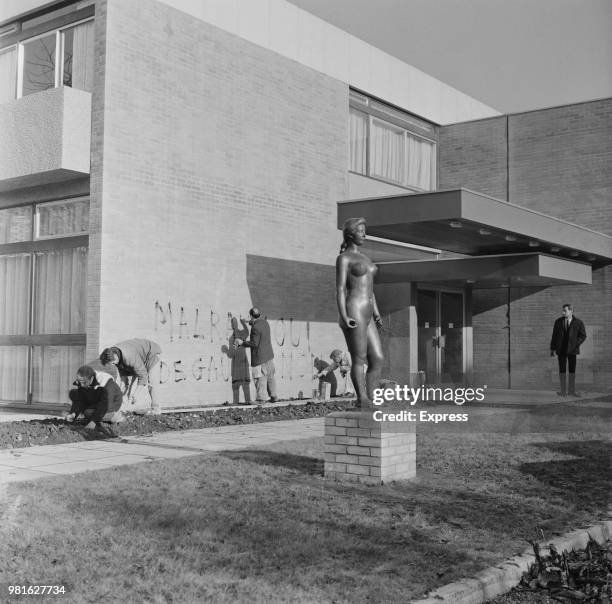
(391, 145)
(46, 53)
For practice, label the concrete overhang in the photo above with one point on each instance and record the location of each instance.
(382, 250)
(46, 138)
(481, 272)
(471, 223)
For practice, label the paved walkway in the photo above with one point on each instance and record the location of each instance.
(29, 463)
(48, 460)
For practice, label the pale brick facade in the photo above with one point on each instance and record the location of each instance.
(216, 180)
(216, 164)
(556, 161)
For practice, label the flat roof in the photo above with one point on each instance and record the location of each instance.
(471, 223)
(482, 272)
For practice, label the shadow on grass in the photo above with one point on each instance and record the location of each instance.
(299, 463)
(450, 504)
(270, 522)
(321, 542)
(585, 478)
(522, 419)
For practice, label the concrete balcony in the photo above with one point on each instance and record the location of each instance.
(46, 138)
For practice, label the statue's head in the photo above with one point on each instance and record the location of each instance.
(350, 229)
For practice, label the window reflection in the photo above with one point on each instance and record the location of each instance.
(38, 65)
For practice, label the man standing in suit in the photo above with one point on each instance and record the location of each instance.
(262, 356)
(568, 334)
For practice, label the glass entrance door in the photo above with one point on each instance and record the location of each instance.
(440, 336)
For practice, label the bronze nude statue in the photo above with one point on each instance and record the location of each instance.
(359, 316)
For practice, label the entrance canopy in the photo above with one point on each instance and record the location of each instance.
(514, 270)
(471, 223)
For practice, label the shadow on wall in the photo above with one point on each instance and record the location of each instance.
(484, 300)
(304, 291)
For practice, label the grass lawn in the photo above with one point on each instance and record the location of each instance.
(264, 526)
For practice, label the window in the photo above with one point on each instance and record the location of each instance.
(55, 49)
(8, 74)
(77, 46)
(391, 145)
(43, 262)
(38, 64)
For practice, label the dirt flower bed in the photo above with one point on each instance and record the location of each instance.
(576, 576)
(55, 430)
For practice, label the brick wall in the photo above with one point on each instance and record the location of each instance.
(474, 155)
(559, 161)
(218, 167)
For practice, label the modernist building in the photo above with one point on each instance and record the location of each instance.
(164, 166)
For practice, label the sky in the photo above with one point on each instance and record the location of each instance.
(513, 55)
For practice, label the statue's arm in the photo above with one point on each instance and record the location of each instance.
(375, 311)
(341, 279)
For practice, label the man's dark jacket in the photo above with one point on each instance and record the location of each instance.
(575, 337)
(260, 343)
(102, 399)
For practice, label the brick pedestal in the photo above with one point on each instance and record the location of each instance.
(359, 449)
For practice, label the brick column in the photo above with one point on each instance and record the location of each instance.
(360, 449)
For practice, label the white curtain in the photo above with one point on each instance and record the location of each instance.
(420, 155)
(61, 280)
(67, 218)
(15, 224)
(60, 305)
(14, 296)
(53, 370)
(83, 56)
(13, 373)
(358, 123)
(8, 75)
(386, 152)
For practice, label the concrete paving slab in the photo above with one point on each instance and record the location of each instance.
(156, 452)
(121, 460)
(26, 461)
(94, 445)
(31, 461)
(47, 450)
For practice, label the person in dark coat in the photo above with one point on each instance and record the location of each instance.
(262, 356)
(567, 336)
(95, 395)
(138, 360)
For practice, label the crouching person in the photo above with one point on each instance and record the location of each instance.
(137, 362)
(93, 399)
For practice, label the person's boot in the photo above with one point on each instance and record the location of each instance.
(563, 391)
(572, 385)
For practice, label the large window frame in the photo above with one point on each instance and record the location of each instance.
(32, 247)
(17, 35)
(408, 126)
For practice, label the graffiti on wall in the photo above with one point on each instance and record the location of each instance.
(198, 345)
